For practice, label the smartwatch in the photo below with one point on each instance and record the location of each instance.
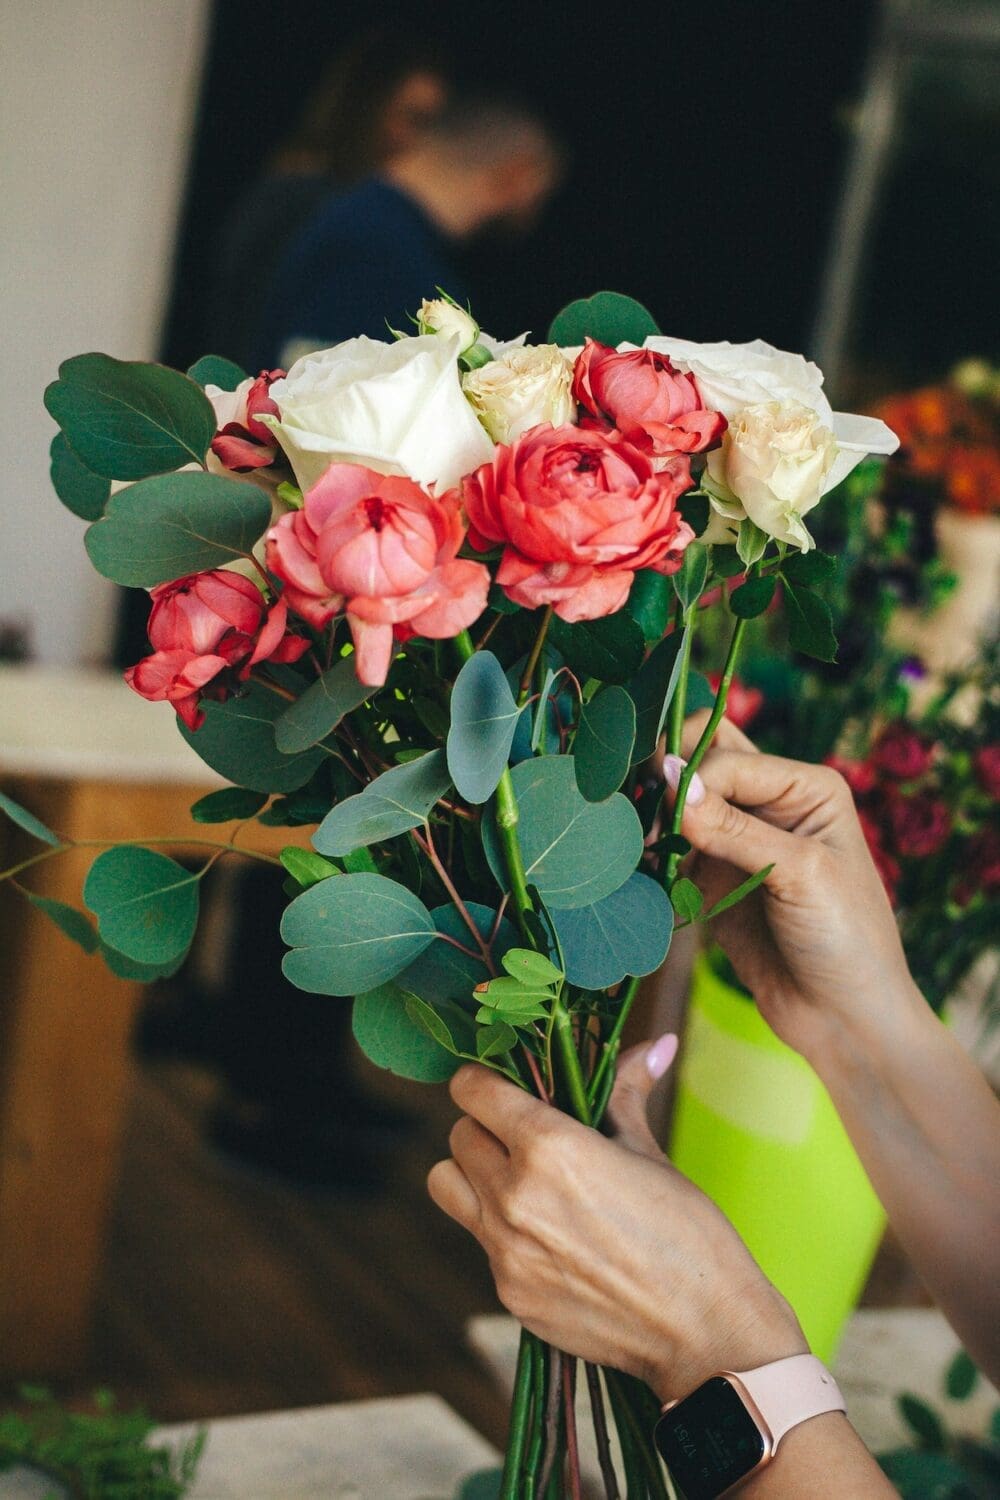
(731, 1426)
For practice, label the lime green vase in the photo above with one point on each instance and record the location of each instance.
(756, 1130)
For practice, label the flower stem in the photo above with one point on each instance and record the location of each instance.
(552, 1405)
(510, 1484)
(611, 1490)
(532, 662)
(179, 840)
(612, 1046)
(571, 1062)
(426, 843)
(678, 705)
(572, 1448)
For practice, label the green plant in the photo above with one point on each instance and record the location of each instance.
(943, 1465)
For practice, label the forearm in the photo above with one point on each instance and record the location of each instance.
(927, 1128)
(822, 1459)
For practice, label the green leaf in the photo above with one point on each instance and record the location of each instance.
(961, 1377)
(651, 603)
(128, 968)
(389, 1036)
(925, 1476)
(924, 1423)
(507, 1000)
(213, 369)
(751, 542)
(483, 1485)
(495, 1039)
(321, 707)
(146, 904)
(432, 716)
(351, 935)
(753, 597)
(393, 803)
(229, 805)
(691, 578)
(700, 693)
(499, 602)
(602, 750)
(443, 972)
(609, 649)
(686, 899)
(176, 524)
(305, 867)
(237, 741)
(609, 317)
(530, 968)
(484, 717)
(810, 624)
(808, 568)
(574, 851)
(726, 561)
(651, 692)
(695, 510)
(735, 896)
(82, 492)
(628, 932)
(427, 1018)
(127, 420)
(26, 820)
(70, 921)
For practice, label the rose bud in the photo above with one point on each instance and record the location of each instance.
(900, 752)
(442, 315)
(921, 825)
(639, 391)
(242, 443)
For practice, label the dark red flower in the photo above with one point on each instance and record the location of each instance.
(902, 753)
(921, 825)
(986, 763)
(887, 867)
(981, 866)
(858, 774)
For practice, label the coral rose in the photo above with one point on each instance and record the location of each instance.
(578, 512)
(209, 630)
(381, 549)
(652, 404)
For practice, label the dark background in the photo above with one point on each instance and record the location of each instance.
(706, 144)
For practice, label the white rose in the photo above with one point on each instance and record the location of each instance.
(441, 316)
(523, 387)
(397, 408)
(772, 467)
(733, 377)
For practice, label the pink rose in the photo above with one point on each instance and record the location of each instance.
(901, 753)
(242, 442)
(986, 763)
(578, 513)
(656, 407)
(921, 825)
(209, 630)
(381, 549)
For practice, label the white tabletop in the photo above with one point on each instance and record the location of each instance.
(402, 1448)
(84, 724)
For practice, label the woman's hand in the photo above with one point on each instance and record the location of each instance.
(817, 944)
(600, 1246)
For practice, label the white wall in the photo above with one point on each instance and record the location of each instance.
(96, 112)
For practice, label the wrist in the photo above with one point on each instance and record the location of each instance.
(743, 1334)
(868, 1043)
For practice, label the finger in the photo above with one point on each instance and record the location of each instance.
(479, 1154)
(799, 798)
(727, 736)
(724, 831)
(639, 1069)
(506, 1111)
(451, 1190)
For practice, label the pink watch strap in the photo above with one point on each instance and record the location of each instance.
(789, 1391)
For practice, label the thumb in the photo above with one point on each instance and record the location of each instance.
(639, 1070)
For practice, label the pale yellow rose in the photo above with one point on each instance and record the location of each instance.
(525, 386)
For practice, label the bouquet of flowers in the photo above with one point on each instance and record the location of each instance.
(437, 597)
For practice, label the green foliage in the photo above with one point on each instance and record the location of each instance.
(82, 492)
(651, 603)
(529, 967)
(626, 933)
(726, 561)
(574, 851)
(27, 821)
(321, 707)
(228, 805)
(751, 542)
(602, 750)
(961, 1377)
(651, 692)
(305, 867)
(146, 904)
(495, 1040)
(686, 899)
(96, 1455)
(610, 649)
(393, 803)
(609, 317)
(353, 934)
(923, 1422)
(175, 524)
(927, 1476)
(237, 740)
(525, 993)
(483, 1485)
(128, 420)
(213, 369)
(810, 624)
(388, 1035)
(809, 568)
(443, 972)
(450, 1028)
(753, 597)
(70, 921)
(695, 510)
(691, 577)
(484, 717)
(127, 968)
(741, 891)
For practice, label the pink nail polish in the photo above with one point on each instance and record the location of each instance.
(673, 766)
(696, 791)
(661, 1054)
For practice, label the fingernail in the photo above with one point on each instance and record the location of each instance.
(696, 791)
(673, 768)
(661, 1054)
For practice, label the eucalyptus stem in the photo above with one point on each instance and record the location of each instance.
(552, 1410)
(179, 840)
(539, 1356)
(571, 1062)
(612, 1046)
(572, 1447)
(510, 1484)
(642, 1440)
(532, 662)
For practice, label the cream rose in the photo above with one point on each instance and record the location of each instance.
(523, 387)
(735, 378)
(438, 315)
(396, 408)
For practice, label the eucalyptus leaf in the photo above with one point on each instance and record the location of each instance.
(691, 577)
(651, 692)
(627, 933)
(237, 741)
(443, 972)
(353, 934)
(146, 904)
(305, 867)
(923, 1422)
(574, 851)
(484, 717)
(651, 603)
(124, 967)
(810, 624)
(82, 492)
(390, 1038)
(127, 420)
(228, 805)
(73, 923)
(609, 649)
(602, 750)
(176, 524)
(961, 1377)
(213, 369)
(26, 820)
(609, 317)
(753, 597)
(321, 707)
(393, 803)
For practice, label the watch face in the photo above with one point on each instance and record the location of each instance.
(709, 1441)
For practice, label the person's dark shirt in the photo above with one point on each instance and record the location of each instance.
(366, 258)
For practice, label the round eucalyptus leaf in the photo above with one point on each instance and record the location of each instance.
(391, 1039)
(228, 805)
(352, 934)
(213, 369)
(602, 750)
(237, 741)
(484, 717)
(82, 492)
(443, 972)
(609, 317)
(393, 803)
(70, 921)
(146, 904)
(627, 933)
(321, 707)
